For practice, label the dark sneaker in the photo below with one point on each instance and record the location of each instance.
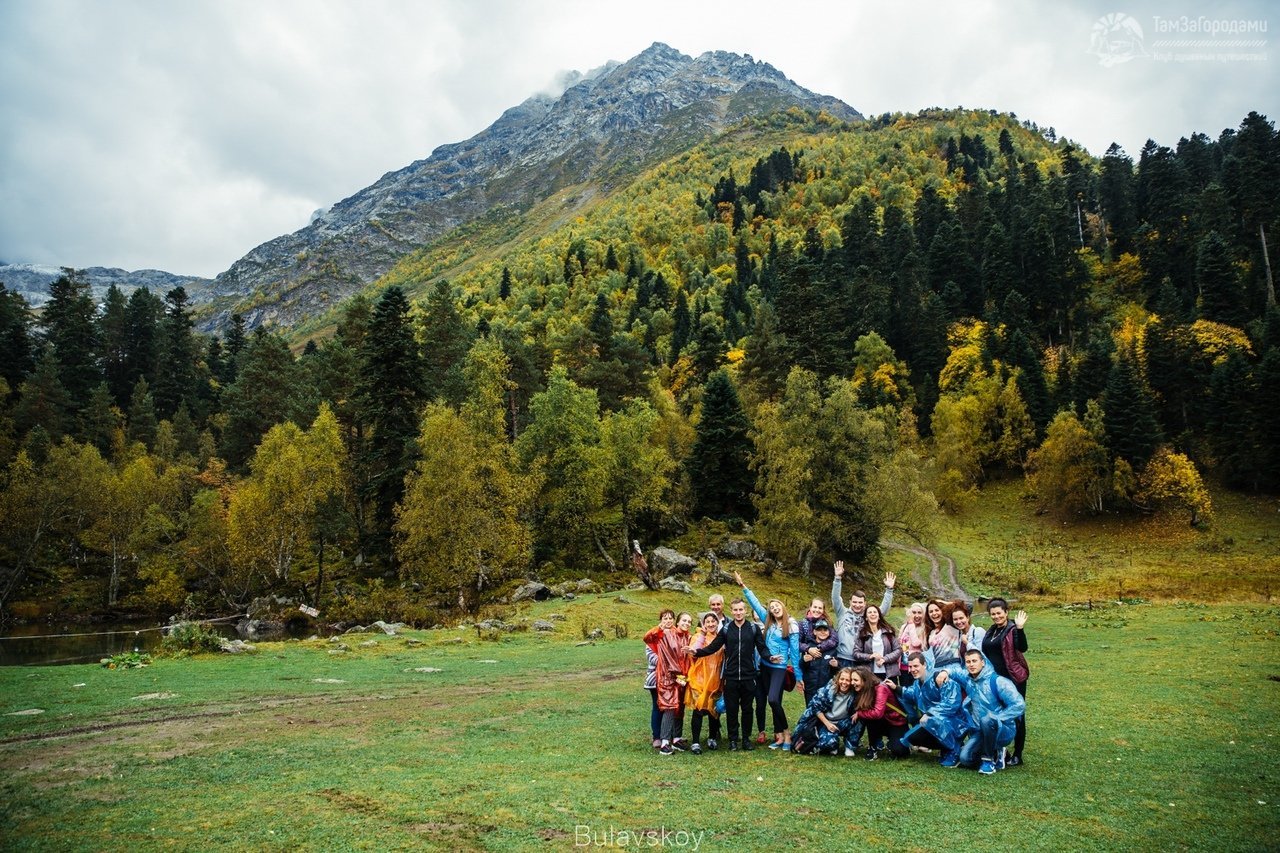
(1014, 761)
(747, 745)
(696, 749)
(666, 749)
(733, 746)
(872, 754)
(712, 745)
(681, 744)
(988, 767)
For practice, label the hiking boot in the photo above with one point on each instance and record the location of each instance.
(696, 749)
(951, 759)
(712, 745)
(988, 767)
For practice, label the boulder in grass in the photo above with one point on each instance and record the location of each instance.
(532, 591)
(235, 647)
(666, 562)
(673, 585)
(588, 585)
(389, 629)
(543, 625)
(259, 629)
(738, 549)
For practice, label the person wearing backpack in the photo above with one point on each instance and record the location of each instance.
(995, 705)
(1004, 645)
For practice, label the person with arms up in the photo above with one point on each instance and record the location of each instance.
(782, 636)
(849, 619)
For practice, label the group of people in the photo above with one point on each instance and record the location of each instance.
(937, 683)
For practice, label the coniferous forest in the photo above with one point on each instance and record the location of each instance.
(833, 332)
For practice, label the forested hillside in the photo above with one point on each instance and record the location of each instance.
(831, 331)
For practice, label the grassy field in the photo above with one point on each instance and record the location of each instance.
(1152, 725)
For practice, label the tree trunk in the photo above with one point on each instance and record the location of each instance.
(1266, 263)
(595, 535)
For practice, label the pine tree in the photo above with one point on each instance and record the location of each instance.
(143, 347)
(236, 342)
(17, 354)
(683, 326)
(1133, 433)
(176, 370)
(390, 393)
(71, 332)
(1221, 297)
(445, 341)
(99, 420)
(113, 333)
(719, 465)
(142, 415)
(263, 395)
(43, 401)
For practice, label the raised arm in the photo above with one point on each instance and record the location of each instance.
(886, 603)
(837, 604)
(755, 604)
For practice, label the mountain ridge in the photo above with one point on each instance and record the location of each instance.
(619, 117)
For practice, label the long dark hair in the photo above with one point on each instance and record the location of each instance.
(929, 627)
(885, 626)
(867, 695)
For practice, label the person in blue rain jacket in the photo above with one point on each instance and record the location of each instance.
(935, 710)
(829, 717)
(995, 705)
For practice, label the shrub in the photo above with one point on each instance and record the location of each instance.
(127, 660)
(189, 638)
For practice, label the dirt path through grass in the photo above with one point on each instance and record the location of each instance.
(938, 584)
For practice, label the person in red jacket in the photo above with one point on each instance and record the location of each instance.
(876, 709)
(669, 640)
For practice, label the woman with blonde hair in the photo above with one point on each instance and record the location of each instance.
(912, 638)
(782, 668)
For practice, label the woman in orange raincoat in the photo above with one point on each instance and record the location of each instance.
(669, 640)
(705, 684)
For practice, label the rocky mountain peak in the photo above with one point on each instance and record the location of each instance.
(618, 115)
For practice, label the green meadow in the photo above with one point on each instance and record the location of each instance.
(1152, 725)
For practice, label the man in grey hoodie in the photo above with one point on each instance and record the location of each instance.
(849, 620)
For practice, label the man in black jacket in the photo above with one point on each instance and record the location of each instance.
(741, 641)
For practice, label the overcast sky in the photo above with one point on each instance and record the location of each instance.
(180, 135)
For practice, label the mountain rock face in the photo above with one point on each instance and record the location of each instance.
(33, 280)
(612, 121)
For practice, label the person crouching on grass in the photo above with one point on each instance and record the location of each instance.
(669, 641)
(995, 705)
(876, 711)
(935, 706)
(828, 718)
(704, 684)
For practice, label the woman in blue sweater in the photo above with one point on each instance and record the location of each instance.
(782, 636)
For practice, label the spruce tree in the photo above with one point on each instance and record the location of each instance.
(1221, 297)
(17, 355)
(263, 395)
(446, 337)
(176, 369)
(113, 334)
(72, 335)
(391, 393)
(142, 416)
(143, 347)
(683, 326)
(719, 462)
(1129, 414)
